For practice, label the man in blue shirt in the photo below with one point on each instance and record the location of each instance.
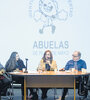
(77, 64)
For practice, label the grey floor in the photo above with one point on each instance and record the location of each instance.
(50, 95)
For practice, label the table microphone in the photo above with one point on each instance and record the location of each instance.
(26, 62)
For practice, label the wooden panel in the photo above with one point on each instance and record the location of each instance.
(50, 81)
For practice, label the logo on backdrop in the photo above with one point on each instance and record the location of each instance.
(49, 11)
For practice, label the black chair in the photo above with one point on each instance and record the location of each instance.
(6, 86)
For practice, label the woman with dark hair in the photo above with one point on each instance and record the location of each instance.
(15, 64)
(47, 64)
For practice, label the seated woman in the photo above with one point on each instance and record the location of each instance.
(15, 64)
(47, 64)
(4, 81)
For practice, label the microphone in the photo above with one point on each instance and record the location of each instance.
(48, 58)
(26, 58)
(26, 62)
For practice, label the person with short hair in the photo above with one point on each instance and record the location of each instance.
(78, 64)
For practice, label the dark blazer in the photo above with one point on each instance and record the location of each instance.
(1, 66)
(19, 64)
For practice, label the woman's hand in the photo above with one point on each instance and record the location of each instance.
(47, 61)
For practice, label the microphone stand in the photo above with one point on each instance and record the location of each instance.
(26, 63)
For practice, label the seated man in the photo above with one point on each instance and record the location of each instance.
(78, 64)
(4, 81)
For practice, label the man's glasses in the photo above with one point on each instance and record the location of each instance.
(75, 56)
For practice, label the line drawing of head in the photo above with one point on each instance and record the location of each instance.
(48, 11)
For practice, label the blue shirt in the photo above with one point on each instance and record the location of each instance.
(80, 64)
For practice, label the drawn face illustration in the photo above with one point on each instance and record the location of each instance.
(48, 7)
(47, 11)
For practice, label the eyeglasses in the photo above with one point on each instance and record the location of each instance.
(75, 56)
